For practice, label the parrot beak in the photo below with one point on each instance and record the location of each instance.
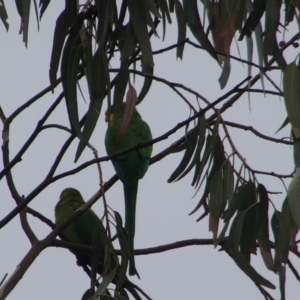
(108, 117)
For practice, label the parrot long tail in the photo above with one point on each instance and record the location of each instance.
(130, 193)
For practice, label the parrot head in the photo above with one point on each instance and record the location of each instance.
(116, 112)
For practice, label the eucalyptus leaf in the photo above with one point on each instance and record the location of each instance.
(3, 15)
(107, 279)
(195, 25)
(215, 202)
(263, 227)
(43, 6)
(97, 247)
(181, 27)
(98, 87)
(60, 32)
(282, 234)
(240, 260)
(200, 142)
(271, 25)
(72, 53)
(294, 197)
(189, 145)
(139, 24)
(291, 90)
(253, 18)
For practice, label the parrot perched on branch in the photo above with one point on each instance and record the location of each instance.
(81, 231)
(127, 129)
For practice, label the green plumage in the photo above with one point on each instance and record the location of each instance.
(81, 231)
(129, 167)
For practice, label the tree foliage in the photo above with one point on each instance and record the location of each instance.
(108, 43)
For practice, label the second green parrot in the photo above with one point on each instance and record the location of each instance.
(131, 166)
(81, 231)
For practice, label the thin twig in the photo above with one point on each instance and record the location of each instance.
(257, 133)
(3, 279)
(144, 251)
(293, 269)
(40, 217)
(10, 164)
(261, 91)
(26, 228)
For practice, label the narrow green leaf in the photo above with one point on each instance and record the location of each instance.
(72, 7)
(294, 196)
(210, 146)
(254, 18)
(194, 23)
(36, 14)
(149, 4)
(19, 6)
(278, 56)
(200, 203)
(128, 43)
(165, 14)
(297, 4)
(215, 202)
(171, 5)
(282, 279)
(289, 11)
(99, 84)
(271, 25)
(149, 19)
(187, 141)
(263, 227)
(249, 230)
(107, 279)
(181, 23)
(139, 24)
(72, 54)
(96, 254)
(190, 148)
(43, 6)
(275, 223)
(285, 122)
(3, 15)
(234, 205)
(249, 42)
(124, 244)
(297, 153)
(124, 252)
(282, 238)
(258, 31)
(87, 44)
(201, 138)
(241, 15)
(24, 13)
(240, 260)
(226, 68)
(228, 182)
(291, 90)
(104, 25)
(60, 32)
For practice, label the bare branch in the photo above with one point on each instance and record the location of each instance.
(257, 133)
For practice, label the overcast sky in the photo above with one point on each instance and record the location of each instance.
(197, 272)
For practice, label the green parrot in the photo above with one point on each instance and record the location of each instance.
(81, 232)
(131, 166)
